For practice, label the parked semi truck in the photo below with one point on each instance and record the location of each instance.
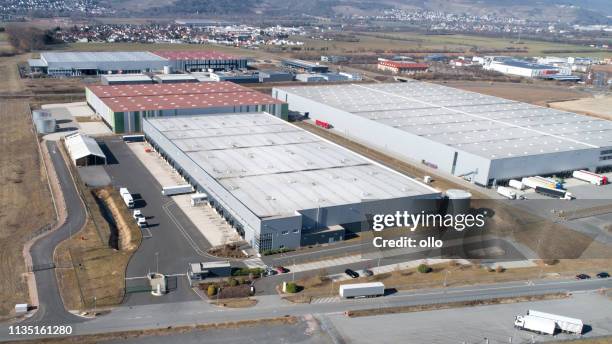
(564, 324)
(588, 176)
(554, 193)
(506, 192)
(373, 289)
(533, 182)
(127, 197)
(535, 324)
(177, 190)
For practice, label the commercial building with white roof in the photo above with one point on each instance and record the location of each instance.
(481, 138)
(84, 150)
(280, 186)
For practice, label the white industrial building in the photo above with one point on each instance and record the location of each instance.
(525, 69)
(278, 185)
(478, 137)
(94, 63)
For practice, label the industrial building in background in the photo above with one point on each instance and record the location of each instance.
(481, 138)
(401, 67)
(132, 62)
(511, 66)
(278, 185)
(122, 107)
(305, 66)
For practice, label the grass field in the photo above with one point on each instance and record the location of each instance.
(458, 43)
(154, 46)
(25, 201)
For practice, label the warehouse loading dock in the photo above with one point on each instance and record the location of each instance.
(484, 139)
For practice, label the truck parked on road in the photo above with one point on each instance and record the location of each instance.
(177, 190)
(535, 324)
(373, 289)
(506, 192)
(588, 176)
(127, 197)
(564, 324)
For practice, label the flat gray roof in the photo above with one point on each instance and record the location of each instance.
(99, 56)
(275, 168)
(484, 125)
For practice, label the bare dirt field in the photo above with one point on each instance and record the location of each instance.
(597, 107)
(538, 93)
(94, 260)
(25, 200)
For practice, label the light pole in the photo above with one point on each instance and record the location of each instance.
(446, 277)
(157, 262)
(94, 306)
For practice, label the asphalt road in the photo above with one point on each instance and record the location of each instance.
(186, 313)
(51, 308)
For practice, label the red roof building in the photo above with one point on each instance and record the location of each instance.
(122, 106)
(398, 67)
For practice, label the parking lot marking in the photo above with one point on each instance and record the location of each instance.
(190, 240)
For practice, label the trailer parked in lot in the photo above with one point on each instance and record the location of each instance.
(506, 192)
(588, 176)
(127, 197)
(564, 324)
(177, 190)
(535, 324)
(362, 290)
(513, 183)
(554, 193)
(533, 182)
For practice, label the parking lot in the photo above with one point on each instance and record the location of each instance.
(170, 241)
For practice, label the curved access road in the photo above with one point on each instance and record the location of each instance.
(51, 309)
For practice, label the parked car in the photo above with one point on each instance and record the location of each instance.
(603, 275)
(582, 277)
(368, 272)
(137, 214)
(142, 222)
(351, 273)
(270, 272)
(281, 269)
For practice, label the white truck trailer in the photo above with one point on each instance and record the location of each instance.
(373, 289)
(127, 197)
(564, 324)
(177, 190)
(506, 192)
(535, 324)
(513, 183)
(536, 181)
(588, 176)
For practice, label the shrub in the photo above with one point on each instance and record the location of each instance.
(212, 290)
(276, 251)
(292, 288)
(233, 282)
(424, 268)
(247, 271)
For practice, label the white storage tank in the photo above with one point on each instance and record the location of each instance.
(46, 125)
(38, 114)
(458, 201)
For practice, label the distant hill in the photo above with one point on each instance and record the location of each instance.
(569, 11)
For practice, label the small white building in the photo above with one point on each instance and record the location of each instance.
(84, 150)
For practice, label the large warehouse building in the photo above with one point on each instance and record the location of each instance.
(122, 107)
(130, 62)
(278, 185)
(481, 138)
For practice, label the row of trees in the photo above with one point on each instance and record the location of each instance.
(26, 39)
